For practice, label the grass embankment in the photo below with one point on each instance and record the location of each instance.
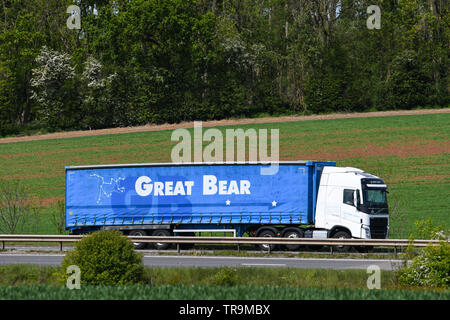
(411, 153)
(39, 282)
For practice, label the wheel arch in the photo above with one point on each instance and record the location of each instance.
(338, 228)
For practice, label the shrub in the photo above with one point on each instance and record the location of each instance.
(225, 277)
(104, 258)
(425, 229)
(15, 207)
(430, 268)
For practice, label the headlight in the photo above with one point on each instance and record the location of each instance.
(366, 232)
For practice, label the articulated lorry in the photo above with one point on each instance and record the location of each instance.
(302, 199)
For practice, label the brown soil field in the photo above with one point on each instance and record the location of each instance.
(72, 134)
(401, 150)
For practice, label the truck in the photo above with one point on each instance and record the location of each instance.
(302, 199)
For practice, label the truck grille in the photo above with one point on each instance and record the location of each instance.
(378, 228)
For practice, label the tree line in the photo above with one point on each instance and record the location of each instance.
(134, 62)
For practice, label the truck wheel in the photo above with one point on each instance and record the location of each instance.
(293, 233)
(139, 233)
(341, 235)
(161, 245)
(267, 234)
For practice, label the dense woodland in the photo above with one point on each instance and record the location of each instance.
(152, 61)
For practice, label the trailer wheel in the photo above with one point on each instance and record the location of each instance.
(293, 233)
(267, 234)
(341, 235)
(139, 233)
(161, 245)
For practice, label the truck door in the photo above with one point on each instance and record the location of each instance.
(349, 212)
(333, 208)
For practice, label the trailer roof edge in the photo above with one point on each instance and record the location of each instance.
(127, 165)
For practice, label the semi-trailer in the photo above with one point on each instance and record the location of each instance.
(301, 199)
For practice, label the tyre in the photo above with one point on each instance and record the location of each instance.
(293, 233)
(161, 245)
(139, 233)
(267, 234)
(341, 235)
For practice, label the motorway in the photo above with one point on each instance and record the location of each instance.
(216, 261)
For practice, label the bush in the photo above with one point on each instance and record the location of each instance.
(225, 277)
(430, 268)
(104, 258)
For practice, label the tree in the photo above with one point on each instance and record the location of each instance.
(14, 207)
(97, 95)
(54, 89)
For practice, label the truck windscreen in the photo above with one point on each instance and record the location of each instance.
(375, 196)
(375, 201)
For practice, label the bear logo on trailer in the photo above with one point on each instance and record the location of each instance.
(107, 188)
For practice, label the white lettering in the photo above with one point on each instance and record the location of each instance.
(179, 190)
(209, 184)
(233, 189)
(245, 187)
(143, 186)
(169, 188)
(189, 185)
(159, 186)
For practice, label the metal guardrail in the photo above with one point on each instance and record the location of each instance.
(231, 240)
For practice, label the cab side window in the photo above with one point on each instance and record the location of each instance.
(348, 197)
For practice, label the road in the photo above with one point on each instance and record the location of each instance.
(217, 261)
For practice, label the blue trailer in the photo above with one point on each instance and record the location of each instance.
(161, 199)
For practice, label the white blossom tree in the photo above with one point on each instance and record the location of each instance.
(53, 85)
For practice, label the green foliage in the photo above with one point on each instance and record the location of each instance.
(30, 275)
(152, 61)
(37, 282)
(426, 229)
(409, 83)
(429, 267)
(104, 258)
(226, 277)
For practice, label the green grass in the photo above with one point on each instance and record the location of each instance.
(411, 153)
(182, 292)
(38, 282)
(17, 275)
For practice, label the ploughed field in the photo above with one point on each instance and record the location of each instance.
(411, 153)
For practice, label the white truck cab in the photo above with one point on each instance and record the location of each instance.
(353, 203)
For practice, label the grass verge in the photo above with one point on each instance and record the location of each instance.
(183, 292)
(39, 282)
